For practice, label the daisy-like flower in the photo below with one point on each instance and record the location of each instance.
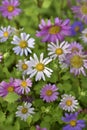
(58, 50)
(76, 27)
(25, 111)
(75, 47)
(72, 122)
(78, 63)
(5, 87)
(68, 103)
(24, 43)
(51, 32)
(39, 128)
(23, 86)
(9, 8)
(38, 67)
(84, 35)
(49, 93)
(80, 11)
(5, 32)
(23, 65)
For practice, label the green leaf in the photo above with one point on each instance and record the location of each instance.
(17, 126)
(2, 116)
(11, 97)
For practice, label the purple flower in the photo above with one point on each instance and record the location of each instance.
(49, 93)
(38, 128)
(5, 87)
(9, 8)
(72, 122)
(75, 47)
(50, 33)
(78, 63)
(76, 27)
(80, 11)
(23, 86)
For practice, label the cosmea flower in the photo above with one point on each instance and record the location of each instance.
(49, 93)
(68, 103)
(76, 27)
(38, 67)
(23, 86)
(84, 35)
(58, 49)
(72, 122)
(5, 87)
(80, 11)
(25, 111)
(23, 44)
(9, 8)
(5, 32)
(51, 32)
(23, 65)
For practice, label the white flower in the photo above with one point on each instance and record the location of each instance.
(5, 32)
(84, 35)
(24, 44)
(23, 65)
(24, 111)
(58, 50)
(38, 67)
(68, 103)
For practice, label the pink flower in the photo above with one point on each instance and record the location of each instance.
(5, 87)
(9, 8)
(50, 33)
(23, 86)
(38, 128)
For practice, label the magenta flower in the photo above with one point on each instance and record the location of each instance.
(50, 33)
(49, 93)
(9, 8)
(39, 128)
(80, 10)
(23, 86)
(5, 87)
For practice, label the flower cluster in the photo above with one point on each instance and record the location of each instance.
(33, 78)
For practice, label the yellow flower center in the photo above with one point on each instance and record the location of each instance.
(69, 102)
(40, 67)
(76, 61)
(5, 34)
(10, 8)
(10, 89)
(54, 29)
(49, 92)
(86, 35)
(24, 66)
(23, 44)
(73, 122)
(59, 51)
(24, 84)
(84, 9)
(77, 28)
(24, 110)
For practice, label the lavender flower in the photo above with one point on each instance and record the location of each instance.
(49, 93)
